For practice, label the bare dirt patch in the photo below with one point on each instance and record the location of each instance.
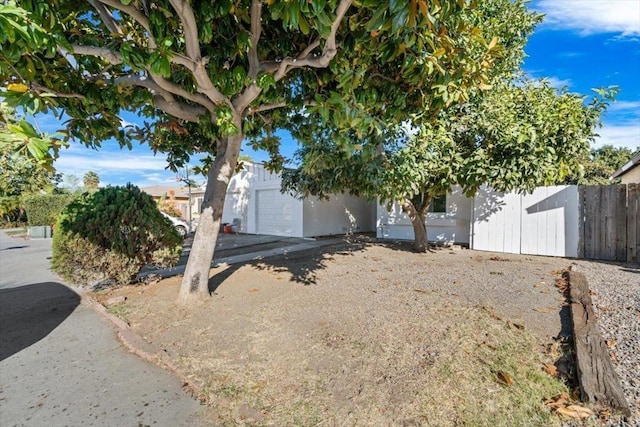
(365, 334)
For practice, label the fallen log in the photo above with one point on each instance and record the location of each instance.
(599, 384)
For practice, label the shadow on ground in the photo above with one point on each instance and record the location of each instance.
(302, 265)
(29, 313)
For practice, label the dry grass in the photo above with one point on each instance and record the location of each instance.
(362, 345)
(452, 378)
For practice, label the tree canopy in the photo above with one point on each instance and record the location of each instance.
(204, 74)
(598, 165)
(91, 180)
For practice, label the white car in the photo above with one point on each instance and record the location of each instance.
(181, 226)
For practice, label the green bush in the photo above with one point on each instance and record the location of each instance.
(79, 261)
(43, 209)
(110, 235)
(11, 212)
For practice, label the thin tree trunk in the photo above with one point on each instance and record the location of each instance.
(419, 222)
(195, 282)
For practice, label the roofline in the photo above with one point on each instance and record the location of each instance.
(627, 166)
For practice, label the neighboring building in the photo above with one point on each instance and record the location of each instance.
(448, 220)
(178, 195)
(630, 172)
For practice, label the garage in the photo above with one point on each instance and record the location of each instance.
(276, 213)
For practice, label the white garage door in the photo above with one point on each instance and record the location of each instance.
(275, 213)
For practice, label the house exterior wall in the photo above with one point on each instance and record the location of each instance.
(632, 176)
(452, 226)
(254, 199)
(236, 202)
(340, 214)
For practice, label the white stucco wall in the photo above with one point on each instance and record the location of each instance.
(450, 227)
(340, 214)
(254, 197)
(236, 203)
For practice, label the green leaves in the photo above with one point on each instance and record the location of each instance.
(160, 64)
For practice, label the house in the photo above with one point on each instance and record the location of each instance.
(448, 220)
(179, 196)
(629, 173)
(255, 205)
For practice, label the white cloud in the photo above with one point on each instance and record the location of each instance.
(626, 106)
(593, 16)
(112, 162)
(559, 83)
(115, 167)
(555, 82)
(621, 135)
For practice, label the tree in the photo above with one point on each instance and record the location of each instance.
(26, 157)
(597, 166)
(72, 182)
(220, 71)
(91, 180)
(517, 136)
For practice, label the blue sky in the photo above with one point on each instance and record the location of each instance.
(582, 44)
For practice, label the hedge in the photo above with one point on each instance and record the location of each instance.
(43, 209)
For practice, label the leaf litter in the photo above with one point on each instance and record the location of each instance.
(365, 348)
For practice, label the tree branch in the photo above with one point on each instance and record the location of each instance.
(165, 99)
(105, 16)
(39, 89)
(276, 105)
(328, 52)
(309, 49)
(130, 10)
(189, 26)
(180, 91)
(242, 101)
(256, 29)
(181, 111)
(192, 61)
(111, 56)
(145, 82)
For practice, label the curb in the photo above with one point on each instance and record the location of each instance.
(138, 346)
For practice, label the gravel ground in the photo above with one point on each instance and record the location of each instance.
(615, 291)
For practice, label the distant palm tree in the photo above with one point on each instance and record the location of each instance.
(91, 181)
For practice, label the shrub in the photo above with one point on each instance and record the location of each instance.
(166, 257)
(110, 235)
(43, 209)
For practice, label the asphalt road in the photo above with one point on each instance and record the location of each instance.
(60, 362)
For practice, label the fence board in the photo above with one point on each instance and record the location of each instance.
(593, 222)
(605, 219)
(621, 222)
(633, 223)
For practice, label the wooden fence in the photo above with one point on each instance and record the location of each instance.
(610, 226)
(594, 222)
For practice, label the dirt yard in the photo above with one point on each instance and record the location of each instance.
(363, 333)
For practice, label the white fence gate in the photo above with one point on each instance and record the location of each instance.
(545, 222)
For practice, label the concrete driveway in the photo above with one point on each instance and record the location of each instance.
(60, 362)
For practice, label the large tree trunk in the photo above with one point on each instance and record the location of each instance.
(419, 222)
(195, 282)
